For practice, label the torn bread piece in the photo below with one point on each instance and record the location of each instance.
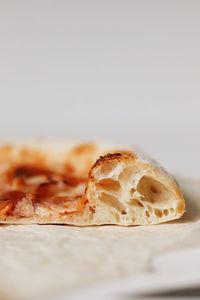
(46, 184)
(126, 190)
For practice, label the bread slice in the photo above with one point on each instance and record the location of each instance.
(137, 192)
(66, 184)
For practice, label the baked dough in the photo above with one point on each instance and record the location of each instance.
(84, 184)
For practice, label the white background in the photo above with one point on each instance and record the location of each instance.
(126, 71)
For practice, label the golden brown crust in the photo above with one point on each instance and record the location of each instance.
(84, 149)
(11, 154)
(5, 151)
(110, 157)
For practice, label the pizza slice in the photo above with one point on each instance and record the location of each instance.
(84, 185)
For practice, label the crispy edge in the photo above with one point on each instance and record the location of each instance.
(110, 157)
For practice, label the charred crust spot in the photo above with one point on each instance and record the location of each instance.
(123, 212)
(118, 156)
(29, 171)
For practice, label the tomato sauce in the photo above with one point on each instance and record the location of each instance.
(49, 189)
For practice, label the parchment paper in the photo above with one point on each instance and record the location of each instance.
(42, 262)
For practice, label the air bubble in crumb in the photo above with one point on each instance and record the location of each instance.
(136, 202)
(158, 212)
(147, 214)
(166, 212)
(132, 191)
(108, 184)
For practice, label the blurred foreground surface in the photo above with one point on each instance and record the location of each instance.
(55, 262)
